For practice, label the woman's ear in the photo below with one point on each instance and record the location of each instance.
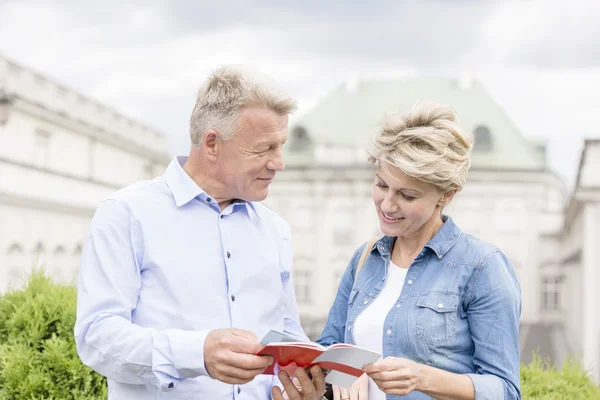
(446, 198)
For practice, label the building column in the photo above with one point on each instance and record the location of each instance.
(590, 283)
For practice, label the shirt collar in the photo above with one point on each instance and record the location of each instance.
(441, 242)
(184, 188)
(446, 237)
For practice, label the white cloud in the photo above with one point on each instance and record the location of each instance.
(539, 59)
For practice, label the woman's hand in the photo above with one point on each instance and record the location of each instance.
(394, 375)
(358, 391)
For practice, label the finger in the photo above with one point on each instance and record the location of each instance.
(244, 334)
(318, 378)
(290, 389)
(247, 361)
(337, 394)
(353, 391)
(344, 395)
(376, 367)
(233, 372)
(276, 393)
(363, 389)
(245, 344)
(308, 387)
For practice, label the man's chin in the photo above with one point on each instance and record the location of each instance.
(258, 196)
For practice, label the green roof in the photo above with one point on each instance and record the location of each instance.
(344, 118)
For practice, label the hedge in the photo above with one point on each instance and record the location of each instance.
(38, 359)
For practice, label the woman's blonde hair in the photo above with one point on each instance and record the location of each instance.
(425, 143)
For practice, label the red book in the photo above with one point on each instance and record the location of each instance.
(344, 361)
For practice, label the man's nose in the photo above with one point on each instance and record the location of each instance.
(276, 163)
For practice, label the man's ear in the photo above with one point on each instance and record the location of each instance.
(210, 142)
(446, 198)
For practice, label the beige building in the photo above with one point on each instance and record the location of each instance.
(61, 153)
(570, 282)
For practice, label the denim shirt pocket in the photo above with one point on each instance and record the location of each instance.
(436, 318)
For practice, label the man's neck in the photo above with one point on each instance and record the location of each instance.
(204, 177)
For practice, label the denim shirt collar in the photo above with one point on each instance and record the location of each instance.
(440, 243)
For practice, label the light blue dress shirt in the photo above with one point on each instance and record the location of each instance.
(161, 267)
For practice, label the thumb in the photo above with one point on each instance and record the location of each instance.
(245, 342)
(242, 333)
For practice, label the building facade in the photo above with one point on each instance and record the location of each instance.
(61, 153)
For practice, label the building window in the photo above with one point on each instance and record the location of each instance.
(483, 138)
(551, 293)
(302, 284)
(41, 148)
(300, 139)
(16, 256)
(15, 249)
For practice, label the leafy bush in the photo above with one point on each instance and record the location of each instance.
(38, 359)
(542, 380)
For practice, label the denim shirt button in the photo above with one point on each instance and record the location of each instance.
(398, 305)
(365, 302)
(440, 305)
(389, 332)
(410, 282)
(350, 327)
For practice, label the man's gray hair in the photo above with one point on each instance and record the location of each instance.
(223, 95)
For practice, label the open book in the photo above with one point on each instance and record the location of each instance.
(343, 361)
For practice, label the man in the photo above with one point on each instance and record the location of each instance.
(182, 274)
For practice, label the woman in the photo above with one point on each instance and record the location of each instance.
(441, 306)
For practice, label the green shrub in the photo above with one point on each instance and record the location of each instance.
(38, 359)
(542, 380)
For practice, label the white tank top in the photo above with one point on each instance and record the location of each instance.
(368, 328)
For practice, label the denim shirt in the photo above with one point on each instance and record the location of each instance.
(458, 310)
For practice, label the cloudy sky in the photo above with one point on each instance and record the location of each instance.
(539, 59)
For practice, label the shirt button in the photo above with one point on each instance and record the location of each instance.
(222, 216)
(389, 332)
(410, 282)
(239, 389)
(350, 327)
(171, 385)
(208, 199)
(228, 255)
(365, 302)
(232, 298)
(440, 305)
(397, 305)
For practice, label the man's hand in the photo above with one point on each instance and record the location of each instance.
(309, 389)
(229, 356)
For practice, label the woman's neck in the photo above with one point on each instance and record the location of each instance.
(407, 247)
